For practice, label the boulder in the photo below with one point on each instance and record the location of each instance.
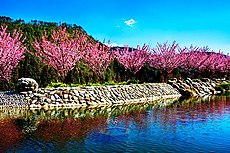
(200, 87)
(186, 92)
(172, 81)
(27, 84)
(207, 80)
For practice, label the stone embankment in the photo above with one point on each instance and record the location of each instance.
(104, 95)
(12, 100)
(98, 95)
(197, 87)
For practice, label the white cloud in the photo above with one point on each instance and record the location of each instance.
(130, 22)
(115, 45)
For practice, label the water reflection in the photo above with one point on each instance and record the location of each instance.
(10, 135)
(141, 127)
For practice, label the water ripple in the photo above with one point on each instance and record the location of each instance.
(185, 126)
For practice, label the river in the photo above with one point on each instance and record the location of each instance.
(192, 125)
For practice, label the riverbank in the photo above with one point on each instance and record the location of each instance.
(10, 100)
(85, 96)
(92, 95)
(200, 87)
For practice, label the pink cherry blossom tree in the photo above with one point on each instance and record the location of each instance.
(201, 61)
(165, 58)
(215, 64)
(11, 52)
(228, 65)
(97, 57)
(194, 60)
(132, 59)
(60, 51)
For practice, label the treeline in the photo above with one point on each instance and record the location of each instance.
(30, 66)
(99, 63)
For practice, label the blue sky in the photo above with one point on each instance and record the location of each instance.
(133, 22)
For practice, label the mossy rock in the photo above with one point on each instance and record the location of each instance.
(187, 93)
(223, 87)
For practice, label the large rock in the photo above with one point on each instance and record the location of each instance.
(27, 84)
(197, 87)
(172, 81)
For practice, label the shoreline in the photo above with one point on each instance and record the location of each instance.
(93, 96)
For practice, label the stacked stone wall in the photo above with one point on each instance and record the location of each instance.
(197, 87)
(98, 95)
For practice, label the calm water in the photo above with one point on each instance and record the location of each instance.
(194, 125)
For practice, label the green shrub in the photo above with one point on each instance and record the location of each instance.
(110, 83)
(223, 87)
(73, 85)
(55, 85)
(132, 82)
(94, 84)
(60, 84)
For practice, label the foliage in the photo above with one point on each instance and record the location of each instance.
(60, 84)
(132, 82)
(166, 58)
(223, 87)
(59, 51)
(132, 59)
(66, 53)
(11, 52)
(201, 61)
(216, 63)
(98, 57)
(30, 66)
(55, 85)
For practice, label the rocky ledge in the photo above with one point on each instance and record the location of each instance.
(32, 96)
(10, 99)
(98, 95)
(197, 87)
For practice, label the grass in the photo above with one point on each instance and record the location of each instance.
(60, 84)
(225, 87)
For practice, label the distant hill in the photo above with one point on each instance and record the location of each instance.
(35, 28)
